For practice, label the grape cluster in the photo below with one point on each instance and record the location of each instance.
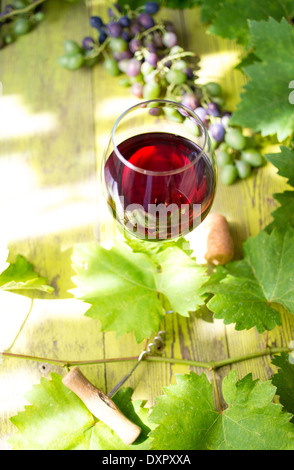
(18, 22)
(237, 155)
(147, 56)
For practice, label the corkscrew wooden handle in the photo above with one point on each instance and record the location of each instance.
(101, 406)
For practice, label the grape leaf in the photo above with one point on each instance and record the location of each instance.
(246, 291)
(284, 381)
(210, 9)
(121, 288)
(187, 420)
(284, 215)
(125, 288)
(58, 420)
(181, 4)
(180, 280)
(265, 105)
(176, 4)
(284, 161)
(21, 276)
(231, 19)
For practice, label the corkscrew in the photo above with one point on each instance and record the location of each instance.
(101, 405)
(155, 347)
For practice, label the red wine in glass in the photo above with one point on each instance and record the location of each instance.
(163, 189)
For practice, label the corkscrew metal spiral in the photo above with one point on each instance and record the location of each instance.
(155, 347)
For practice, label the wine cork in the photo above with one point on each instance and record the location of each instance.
(101, 406)
(220, 248)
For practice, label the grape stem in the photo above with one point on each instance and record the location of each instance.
(210, 365)
(21, 11)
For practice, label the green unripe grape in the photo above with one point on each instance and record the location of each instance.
(21, 26)
(88, 60)
(252, 156)
(75, 61)
(173, 114)
(223, 146)
(118, 45)
(179, 65)
(125, 82)
(71, 47)
(243, 168)
(213, 143)
(176, 77)
(151, 91)
(19, 4)
(223, 158)
(146, 68)
(111, 67)
(235, 139)
(213, 89)
(137, 79)
(219, 100)
(63, 61)
(229, 174)
(163, 83)
(8, 38)
(39, 16)
(192, 126)
(176, 50)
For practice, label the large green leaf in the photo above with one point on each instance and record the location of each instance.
(127, 290)
(58, 420)
(284, 381)
(246, 291)
(187, 419)
(22, 276)
(231, 19)
(284, 214)
(265, 106)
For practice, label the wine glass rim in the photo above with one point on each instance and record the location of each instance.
(143, 104)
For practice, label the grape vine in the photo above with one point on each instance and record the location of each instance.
(145, 54)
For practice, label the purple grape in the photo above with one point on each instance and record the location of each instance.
(155, 111)
(168, 64)
(96, 22)
(152, 59)
(151, 47)
(169, 39)
(217, 131)
(134, 68)
(88, 43)
(135, 27)
(151, 8)
(112, 13)
(213, 109)
(190, 100)
(102, 37)
(169, 26)
(146, 20)
(123, 55)
(189, 72)
(124, 21)
(135, 45)
(201, 113)
(114, 29)
(157, 40)
(126, 36)
(8, 8)
(137, 89)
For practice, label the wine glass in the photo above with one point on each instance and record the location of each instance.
(158, 171)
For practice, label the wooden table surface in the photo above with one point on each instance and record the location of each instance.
(53, 127)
